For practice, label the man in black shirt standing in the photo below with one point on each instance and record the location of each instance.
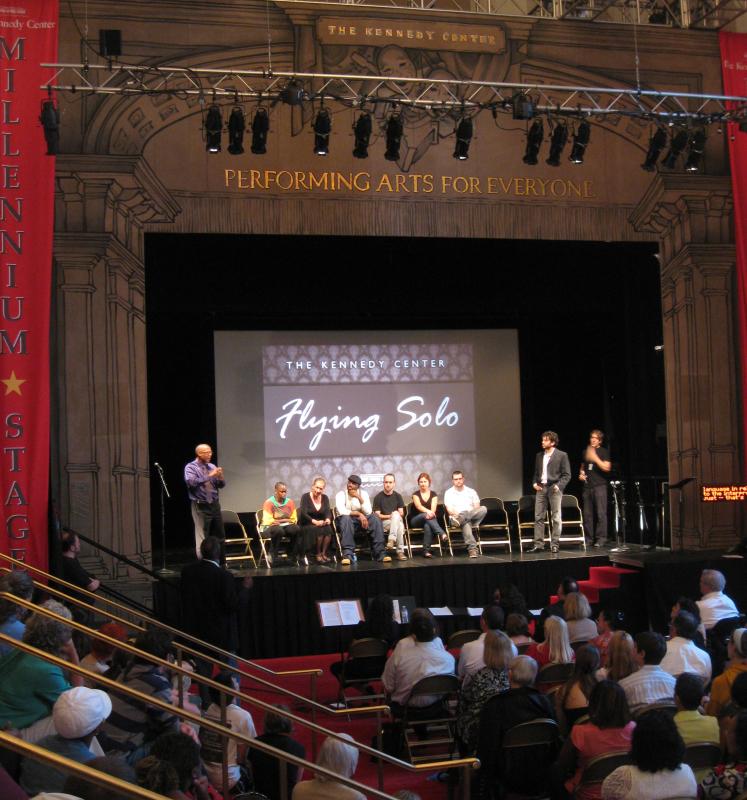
(595, 469)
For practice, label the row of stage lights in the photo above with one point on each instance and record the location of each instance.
(560, 132)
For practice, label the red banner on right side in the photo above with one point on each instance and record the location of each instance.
(734, 69)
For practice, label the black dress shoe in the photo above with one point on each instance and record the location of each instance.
(537, 548)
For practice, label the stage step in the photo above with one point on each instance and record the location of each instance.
(607, 577)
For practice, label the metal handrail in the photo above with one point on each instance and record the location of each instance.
(465, 763)
(77, 768)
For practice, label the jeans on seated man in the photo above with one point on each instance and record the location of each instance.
(355, 513)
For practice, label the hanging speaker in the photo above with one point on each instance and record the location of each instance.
(110, 43)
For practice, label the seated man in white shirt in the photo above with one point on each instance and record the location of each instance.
(714, 605)
(683, 655)
(417, 656)
(650, 684)
(463, 507)
(471, 658)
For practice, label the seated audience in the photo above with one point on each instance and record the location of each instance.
(174, 759)
(517, 630)
(621, 660)
(100, 658)
(566, 586)
(417, 656)
(650, 684)
(608, 621)
(728, 780)
(471, 658)
(336, 756)
(609, 730)
(721, 686)
(79, 786)
(379, 624)
(239, 720)
(577, 612)
(21, 585)
(78, 715)
(656, 771)
(132, 727)
(265, 768)
(521, 703)
(556, 649)
(714, 605)
(688, 604)
(691, 724)
(682, 653)
(29, 686)
(486, 682)
(572, 699)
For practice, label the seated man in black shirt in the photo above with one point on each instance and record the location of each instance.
(73, 572)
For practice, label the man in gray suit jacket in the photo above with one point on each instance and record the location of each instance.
(552, 471)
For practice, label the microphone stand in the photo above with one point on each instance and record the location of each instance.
(621, 521)
(164, 571)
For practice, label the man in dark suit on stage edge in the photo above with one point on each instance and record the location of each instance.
(210, 604)
(552, 471)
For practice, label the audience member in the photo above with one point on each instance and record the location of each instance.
(691, 724)
(728, 780)
(609, 730)
(265, 768)
(556, 649)
(517, 630)
(486, 682)
(682, 654)
(521, 703)
(566, 586)
(30, 686)
(78, 715)
(100, 658)
(180, 753)
(239, 720)
(656, 771)
(688, 604)
(721, 686)
(577, 612)
(621, 660)
(417, 656)
(336, 756)
(650, 684)
(116, 767)
(21, 585)
(511, 600)
(470, 658)
(608, 621)
(572, 699)
(714, 605)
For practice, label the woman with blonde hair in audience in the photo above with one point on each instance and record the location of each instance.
(620, 657)
(577, 613)
(572, 699)
(492, 679)
(556, 649)
(336, 756)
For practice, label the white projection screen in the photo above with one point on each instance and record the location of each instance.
(294, 405)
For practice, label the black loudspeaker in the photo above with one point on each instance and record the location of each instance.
(110, 43)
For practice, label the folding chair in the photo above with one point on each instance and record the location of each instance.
(495, 523)
(573, 519)
(363, 663)
(600, 767)
(525, 522)
(230, 521)
(432, 739)
(458, 639)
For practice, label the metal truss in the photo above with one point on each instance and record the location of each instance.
(437, 96)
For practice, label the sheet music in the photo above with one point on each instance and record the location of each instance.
(330, 613)
(349, 614)
(472, 611)
(444, 611)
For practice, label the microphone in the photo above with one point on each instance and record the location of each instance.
(158, 466)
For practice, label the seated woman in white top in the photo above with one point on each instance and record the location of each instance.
(336, 756)
(656, 771)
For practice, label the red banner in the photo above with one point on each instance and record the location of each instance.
(734, 69)
(28, 37)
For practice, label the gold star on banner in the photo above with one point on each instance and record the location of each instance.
(13, 384)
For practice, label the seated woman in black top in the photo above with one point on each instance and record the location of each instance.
(425, 502)
(379, 624)
(265, 769)
(315, 517)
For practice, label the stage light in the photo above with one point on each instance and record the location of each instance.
(656, 144)
(213, 129)
(322, 129)
(521, 106)
(676, 146)
(464, 133)
(362, 131)
(580, 143)
(557, 144)
(260, 129)
(394, 131)
(695, 153)
(534, 141)
(50, 120)
(236, 127)
(292, 93)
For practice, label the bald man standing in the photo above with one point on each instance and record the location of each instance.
(203, 480)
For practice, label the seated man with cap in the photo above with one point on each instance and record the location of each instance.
(78, 714)
(355, 512)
